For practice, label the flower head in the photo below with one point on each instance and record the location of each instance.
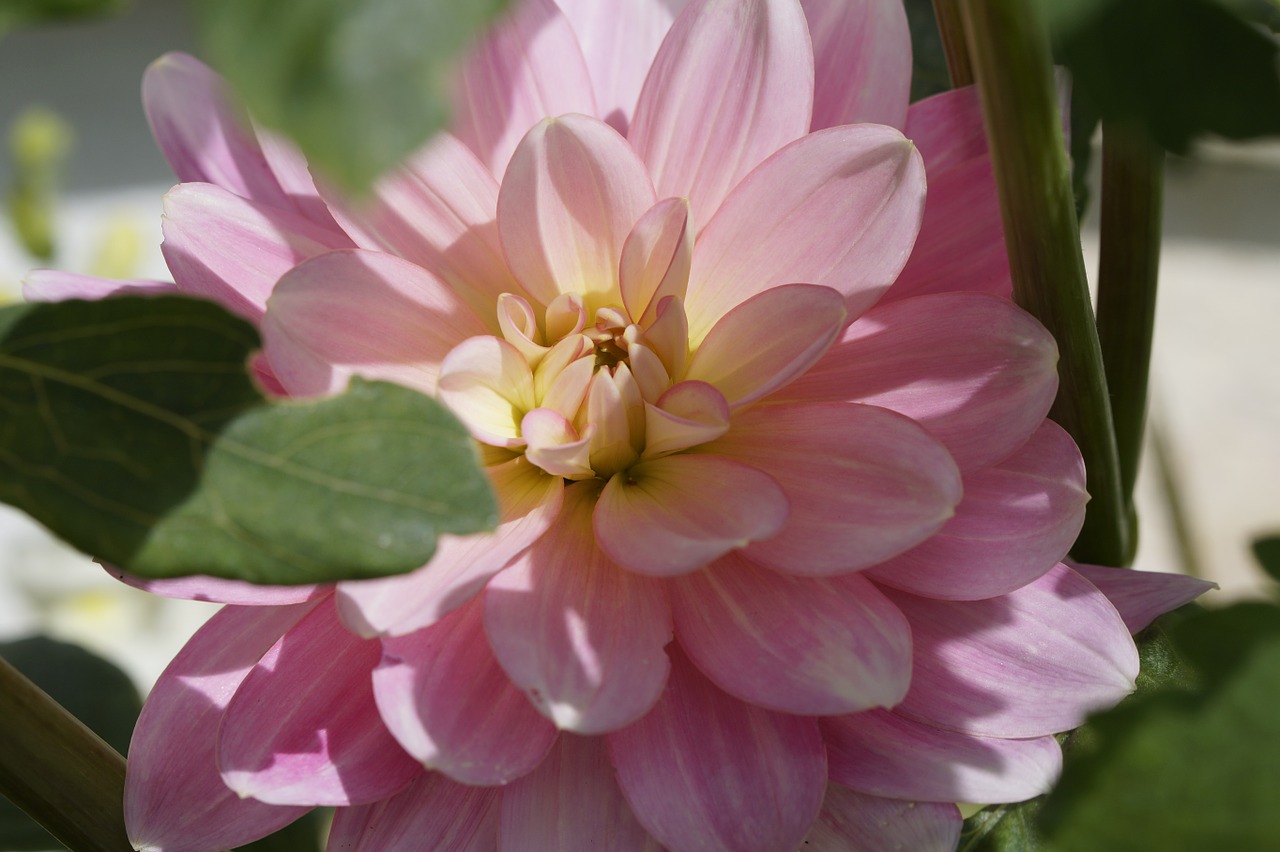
(782, 514)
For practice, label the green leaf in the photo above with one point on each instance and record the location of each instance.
(1187, 766)
(1267, 551)
(1004, 828)
(26, 12)
(928, 61)
(358, 84)
(1179, 68)
(91, 688)
(130, 428)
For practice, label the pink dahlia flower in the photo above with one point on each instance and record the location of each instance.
(779, 560)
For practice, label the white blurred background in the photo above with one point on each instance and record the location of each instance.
(1216, 393)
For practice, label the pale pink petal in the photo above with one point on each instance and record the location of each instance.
(303, 727)
(864, 483)
(438, 210)
(861, 61)
(54, 285)
(704, 771)
(294, 176)
(885, 754)
(855, 821)
(839, 208)
(686, 415)
(204, 134)
(233, 250)
(655, 259)
(976, 371)
(675, 514)
(961, 243)
(487, 383)
(449, 704)
(200, 588)
(731, 84)
(431, 813)
(619, 41)
(1143, 596)
(580, 636)
(527, 68)
(765, 342)
(1025, 664)
(1017, 520)
(811, 646)
(362, 313)
(572, 194)
(174, 797)
(571, 803)
(528, 500)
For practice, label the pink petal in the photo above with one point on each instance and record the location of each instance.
(54, 285)
(961, 243)
(976, 371)
(885, 754)
(1025, 664)
(862, 61)
(439, 210)
(768, 340)
(449, 704)
(705, 771)
(676, 514)
(174, 797)
(731, 84)
(853, 820)
(204, 134)
(529, 67)
(864, 483)
(810, 646)
(362, 313)
(655, 259)
(529, 501)
(1143, 596)
(487, 383)
(686, 415)
(294, 176)
(619, 41)
(233, 250)
(1017, 520)
(580, 636)
(303, 728)
(570, 197)
(431, 813)
(200, 588)
(571, 803)
(839, 208)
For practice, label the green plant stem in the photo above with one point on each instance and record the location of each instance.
(59, 771)
(1132, 196)
(1009, 49)
(951, 28)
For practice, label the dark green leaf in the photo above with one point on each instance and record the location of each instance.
(1267, 551)
(130, 428)
(357, 83)
(1004, 828)
(92, 689)
(1179, 768)
(26, 12)
(928, 61)
(1180, 68)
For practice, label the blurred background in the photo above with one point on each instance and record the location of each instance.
(69, 96)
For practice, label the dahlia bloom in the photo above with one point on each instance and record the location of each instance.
(779, 560)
